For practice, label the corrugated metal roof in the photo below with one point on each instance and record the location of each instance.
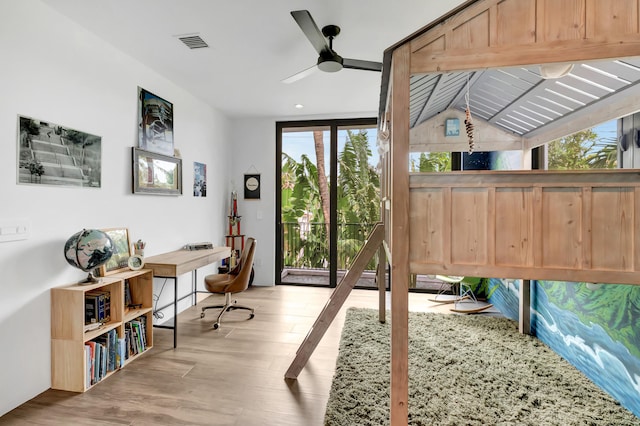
(519, 100)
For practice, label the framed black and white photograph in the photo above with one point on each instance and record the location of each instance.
(252, 186)
(155, 173)
(199, 179)
(53, 154)
(155, 123)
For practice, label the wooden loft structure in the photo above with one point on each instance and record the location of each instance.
(574, 226)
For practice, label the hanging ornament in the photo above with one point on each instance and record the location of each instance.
(468, 122)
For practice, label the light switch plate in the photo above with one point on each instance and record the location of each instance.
(14, 229)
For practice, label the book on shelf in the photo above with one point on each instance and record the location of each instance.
(127, 294)
(136, 335)
(102, 356)
(92, 366)
(120, 353)
(97, 306)
(87, 366)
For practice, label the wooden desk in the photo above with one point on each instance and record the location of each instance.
(175, 263)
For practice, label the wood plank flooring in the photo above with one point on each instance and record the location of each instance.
(230, 376)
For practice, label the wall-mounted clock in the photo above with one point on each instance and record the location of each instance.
(252, 186)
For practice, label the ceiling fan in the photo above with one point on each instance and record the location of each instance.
(328, 59)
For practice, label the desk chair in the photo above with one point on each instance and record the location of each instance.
(236, 281)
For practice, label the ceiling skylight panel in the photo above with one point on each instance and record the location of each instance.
(515, 125)
(484, 96)
(592, 83)
(511, 129)
(554, 103)
(605, 73)
(527, 125)
(477, 104)
(575, 89)
(570, 99)
(528, 117)
(539, 114)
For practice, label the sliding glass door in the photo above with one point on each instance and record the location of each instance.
(329, 198)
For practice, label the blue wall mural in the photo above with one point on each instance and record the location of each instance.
(594, 327)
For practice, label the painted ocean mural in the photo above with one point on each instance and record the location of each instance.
(595, 328)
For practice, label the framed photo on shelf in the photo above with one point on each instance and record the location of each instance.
(119, 261)
(155, 123)
(155, 173)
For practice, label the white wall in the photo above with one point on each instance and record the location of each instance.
(54, 70)
(255, 149)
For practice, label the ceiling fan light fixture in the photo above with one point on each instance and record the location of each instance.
(331, 63)
(553, 71)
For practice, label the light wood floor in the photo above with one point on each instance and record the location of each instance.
(230, 376)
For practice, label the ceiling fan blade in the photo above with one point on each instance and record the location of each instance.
(361, 65)
(310, 29)
(300, 75)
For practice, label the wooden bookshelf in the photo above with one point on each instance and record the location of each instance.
(68, 335)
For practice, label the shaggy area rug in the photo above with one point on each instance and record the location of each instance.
(463, 370)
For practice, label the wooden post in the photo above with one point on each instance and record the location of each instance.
(399, 235)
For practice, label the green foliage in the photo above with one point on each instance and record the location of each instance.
(358, 205)
(358, 182)
(582, 150)
(432, 162)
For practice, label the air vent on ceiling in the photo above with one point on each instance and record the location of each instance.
(193, 41)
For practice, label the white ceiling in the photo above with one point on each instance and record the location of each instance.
(254, 45)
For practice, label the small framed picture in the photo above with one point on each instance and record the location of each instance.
(155, 123)
(252, 186)
(121, 251)
(155, 173)
(452, 127)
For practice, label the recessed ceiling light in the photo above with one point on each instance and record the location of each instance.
(299, 106)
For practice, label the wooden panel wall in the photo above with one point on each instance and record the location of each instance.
(494, 33)
(519, 225)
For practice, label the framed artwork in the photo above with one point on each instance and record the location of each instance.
(252, 186)
(51, 154)
(155, 123)
(155, 173)
(119, 261)
(452, 127)
(199, 180)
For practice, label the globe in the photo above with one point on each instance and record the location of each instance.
(88, 250)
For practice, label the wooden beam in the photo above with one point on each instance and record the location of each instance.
(399, 236)
(511, 56)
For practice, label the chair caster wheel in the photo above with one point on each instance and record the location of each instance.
(251, 316)
(202, 315)
(215, 326)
